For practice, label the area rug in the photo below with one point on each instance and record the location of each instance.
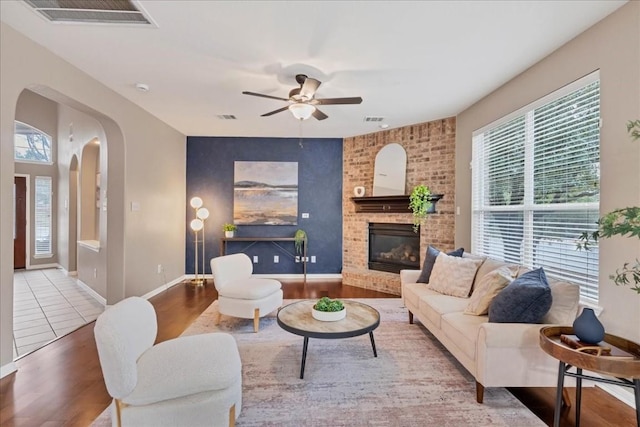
(414, 381)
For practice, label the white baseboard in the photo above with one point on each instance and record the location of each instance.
(8, 369)
(623, 394)
(67, 273)
(93, 293)
(41, 266)
(164, 287)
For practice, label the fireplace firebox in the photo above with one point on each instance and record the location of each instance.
(393, 247)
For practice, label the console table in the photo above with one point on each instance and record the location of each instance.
(273, 240)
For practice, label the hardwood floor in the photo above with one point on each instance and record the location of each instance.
(61, 384)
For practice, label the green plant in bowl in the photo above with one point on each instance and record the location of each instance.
(328, 304)
(229, 227)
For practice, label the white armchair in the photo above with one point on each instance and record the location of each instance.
(194, 380)
(240, 294)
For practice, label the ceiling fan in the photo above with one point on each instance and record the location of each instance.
(302, 101)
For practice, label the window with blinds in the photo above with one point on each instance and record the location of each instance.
(536, 185)
(43, 198)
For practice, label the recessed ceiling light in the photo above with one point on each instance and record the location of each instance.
(383, 126)
(142, 87)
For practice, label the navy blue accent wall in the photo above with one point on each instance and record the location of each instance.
(210, 167)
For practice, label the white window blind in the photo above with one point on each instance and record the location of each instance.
(43, 215)
(536, 185)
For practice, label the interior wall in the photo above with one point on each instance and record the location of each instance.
(430, 149)
(146, 165)
(210, 175)
(78, 132)
(613, 47)
(42, 114)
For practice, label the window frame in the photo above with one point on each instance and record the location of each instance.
(528, 206)
(30, 161)
(37, 253)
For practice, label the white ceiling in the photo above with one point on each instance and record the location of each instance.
(411, 61)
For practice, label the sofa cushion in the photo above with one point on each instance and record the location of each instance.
(413, 293)
(436, 305)
(430, 260)
(463, 331)
(526, 300)
(487, 288)
(565, 303)
(452, 275)
(488, 266)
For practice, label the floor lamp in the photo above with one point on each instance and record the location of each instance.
(196, 225)
(202, 214)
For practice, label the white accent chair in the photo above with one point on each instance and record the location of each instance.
(190, 381)
(239, 293)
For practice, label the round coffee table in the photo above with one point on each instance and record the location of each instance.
(297, 319)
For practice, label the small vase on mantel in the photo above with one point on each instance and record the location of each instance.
(588, 328)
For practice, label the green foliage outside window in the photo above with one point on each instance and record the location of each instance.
(623, 222)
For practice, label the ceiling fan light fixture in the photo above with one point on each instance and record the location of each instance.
(302, 111)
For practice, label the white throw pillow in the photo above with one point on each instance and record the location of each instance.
(487, 288)
(453, 275)
(565, 303)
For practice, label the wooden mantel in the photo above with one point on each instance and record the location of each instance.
(390, 204)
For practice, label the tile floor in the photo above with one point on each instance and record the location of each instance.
(48, 304)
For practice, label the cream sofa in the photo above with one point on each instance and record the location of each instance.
(496, 354)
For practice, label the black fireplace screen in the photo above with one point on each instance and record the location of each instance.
(393, 247)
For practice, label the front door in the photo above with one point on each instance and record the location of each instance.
(20, 222)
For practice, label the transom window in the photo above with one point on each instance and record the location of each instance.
(31, 145)
(536, 185)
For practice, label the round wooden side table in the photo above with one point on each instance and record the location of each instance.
(623, 363)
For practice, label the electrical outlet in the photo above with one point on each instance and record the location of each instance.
(305, 215)
(255, 259)
(276, 259)
(297, 258)
(313, 258)
(159, 268)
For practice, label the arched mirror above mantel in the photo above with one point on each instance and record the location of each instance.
(389, 173)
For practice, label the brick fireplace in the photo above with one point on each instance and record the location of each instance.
(430, 151)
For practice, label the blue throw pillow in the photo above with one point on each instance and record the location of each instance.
(430, 260)
(526, 300)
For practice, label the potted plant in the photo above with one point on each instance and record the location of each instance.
(300, 239)
(229, 229)
(419, 203)
(328, 310)
(620, 222)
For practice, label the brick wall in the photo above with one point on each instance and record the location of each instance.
(430, 151)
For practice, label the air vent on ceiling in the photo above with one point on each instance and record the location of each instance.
(91, 11)
(373, 119)
(227, 117)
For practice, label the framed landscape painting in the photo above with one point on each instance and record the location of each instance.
(265, 193)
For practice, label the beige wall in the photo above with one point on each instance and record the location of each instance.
(77, 133)
(613, 47)
(146, 165)
(41, 113)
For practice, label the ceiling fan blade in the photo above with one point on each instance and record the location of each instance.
(334, 101)
(271, 113)
(264, 96)
(309, 87)
(319, 115)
